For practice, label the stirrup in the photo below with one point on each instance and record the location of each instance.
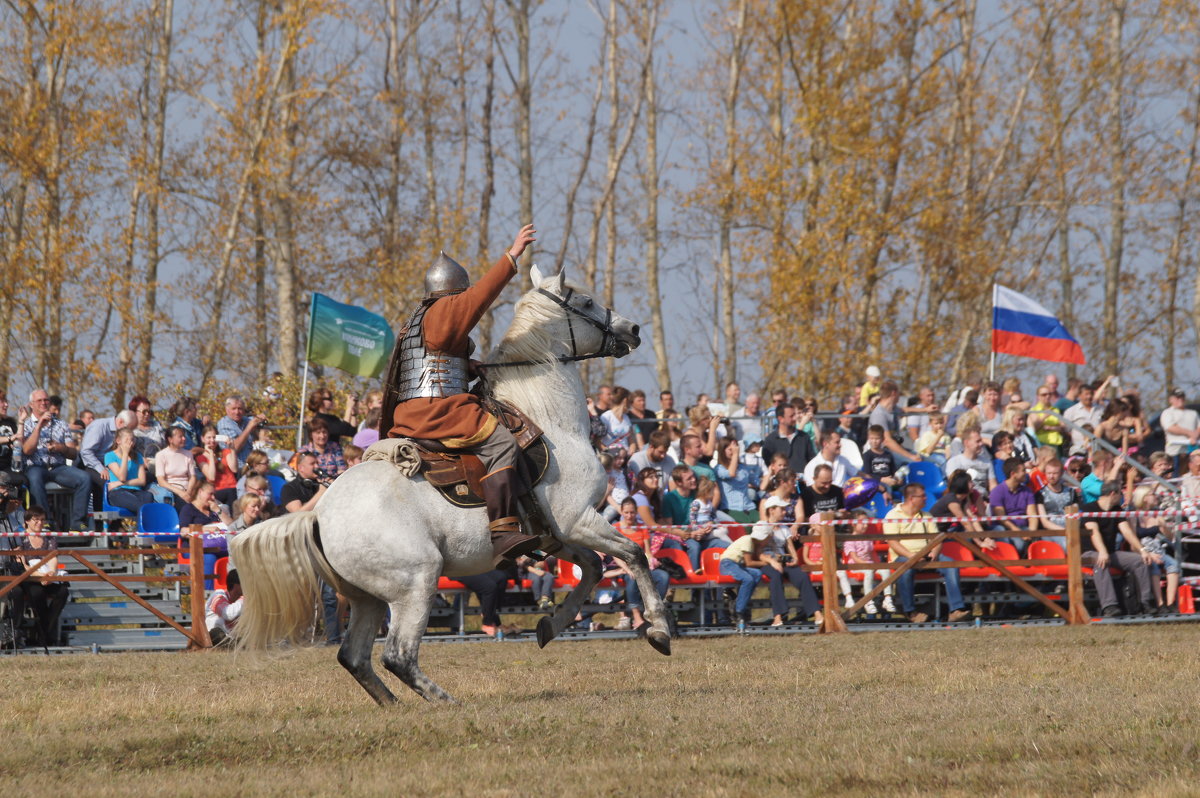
(535, 521)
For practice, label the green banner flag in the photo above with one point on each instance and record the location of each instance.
(348, 337)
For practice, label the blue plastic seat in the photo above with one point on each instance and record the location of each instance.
(879, 505)
(929, 476)
(277, 483)
(160, 521)
(108, 508)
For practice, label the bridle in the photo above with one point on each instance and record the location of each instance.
(608, 344)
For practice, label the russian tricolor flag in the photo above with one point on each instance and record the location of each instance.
(1022, 327)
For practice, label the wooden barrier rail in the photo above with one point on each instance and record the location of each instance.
(197, 636)
(834, 617)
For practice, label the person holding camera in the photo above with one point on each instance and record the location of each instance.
(238, 429)
(303, 492)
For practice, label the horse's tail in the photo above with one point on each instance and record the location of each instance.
(278, 563)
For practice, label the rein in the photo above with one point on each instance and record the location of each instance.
(607, 346)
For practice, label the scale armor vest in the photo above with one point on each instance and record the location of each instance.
(425, 373)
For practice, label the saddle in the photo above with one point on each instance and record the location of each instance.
(457, 475)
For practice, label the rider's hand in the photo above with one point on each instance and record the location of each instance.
(524, 239)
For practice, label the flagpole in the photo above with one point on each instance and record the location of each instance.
(992, 359)
(312, 303)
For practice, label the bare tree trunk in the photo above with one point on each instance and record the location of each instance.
(1115, 140)
(433, 220)
(521, 12)
(164, 25)
(610, 276)
(262, 343)
(13, 220)
(464, 118)
(1062, 217)
(618, 146)
(613, 168)
(1171, 289)
(14, 237)
(869, 332)
(125, 352)
(773, 356)
(585, 160)
(50, 334)
(283, 240)
(487, 324)
(208, 351)
(394, 85)
(650, 179)
(728, 193)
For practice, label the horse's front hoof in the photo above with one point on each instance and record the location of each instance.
(660, 642)
(545, 631)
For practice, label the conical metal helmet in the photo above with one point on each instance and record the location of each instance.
(446, 277)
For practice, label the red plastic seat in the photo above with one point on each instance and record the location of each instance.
(735, 531)
(1006, 551)
(220, 572)
(1048, 550)
(445, 583)
(680, 558)
(957, 551)
(711, 567)
(566, 578)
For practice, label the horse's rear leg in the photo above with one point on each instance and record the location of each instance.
(550, 627)
(366, 613)
(593, 532)
(410, 615)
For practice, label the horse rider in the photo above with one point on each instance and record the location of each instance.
(427, 386)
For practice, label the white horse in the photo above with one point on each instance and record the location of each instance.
(383, 539)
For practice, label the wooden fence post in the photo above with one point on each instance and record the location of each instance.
(200, 638)
(831, 618)
(1076, 611)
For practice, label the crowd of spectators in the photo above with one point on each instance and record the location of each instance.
(215, 473)
(1009, 465)
(680, 480)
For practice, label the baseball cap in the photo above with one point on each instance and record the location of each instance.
(873, 371)
(774, 501)
(1178, 392)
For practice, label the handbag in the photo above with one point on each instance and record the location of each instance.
(673, 569)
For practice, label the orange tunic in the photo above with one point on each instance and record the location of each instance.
(458, 421)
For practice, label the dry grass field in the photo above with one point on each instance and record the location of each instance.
(1043, 711)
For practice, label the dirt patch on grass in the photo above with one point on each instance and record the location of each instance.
(988, 712)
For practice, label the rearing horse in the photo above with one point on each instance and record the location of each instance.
(382, 539)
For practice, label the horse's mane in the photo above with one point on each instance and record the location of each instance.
(531, 335)
(534, 335)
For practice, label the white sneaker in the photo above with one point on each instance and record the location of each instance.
(870, 608)
(625, 623)
(849, 602)
(888, 604)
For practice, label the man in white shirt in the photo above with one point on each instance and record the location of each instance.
(1084, 411)
(830, 455)
(1181, 426)
(975, 460)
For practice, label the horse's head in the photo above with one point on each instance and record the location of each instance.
(591, 328)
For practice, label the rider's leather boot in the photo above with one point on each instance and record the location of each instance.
(508, 542)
